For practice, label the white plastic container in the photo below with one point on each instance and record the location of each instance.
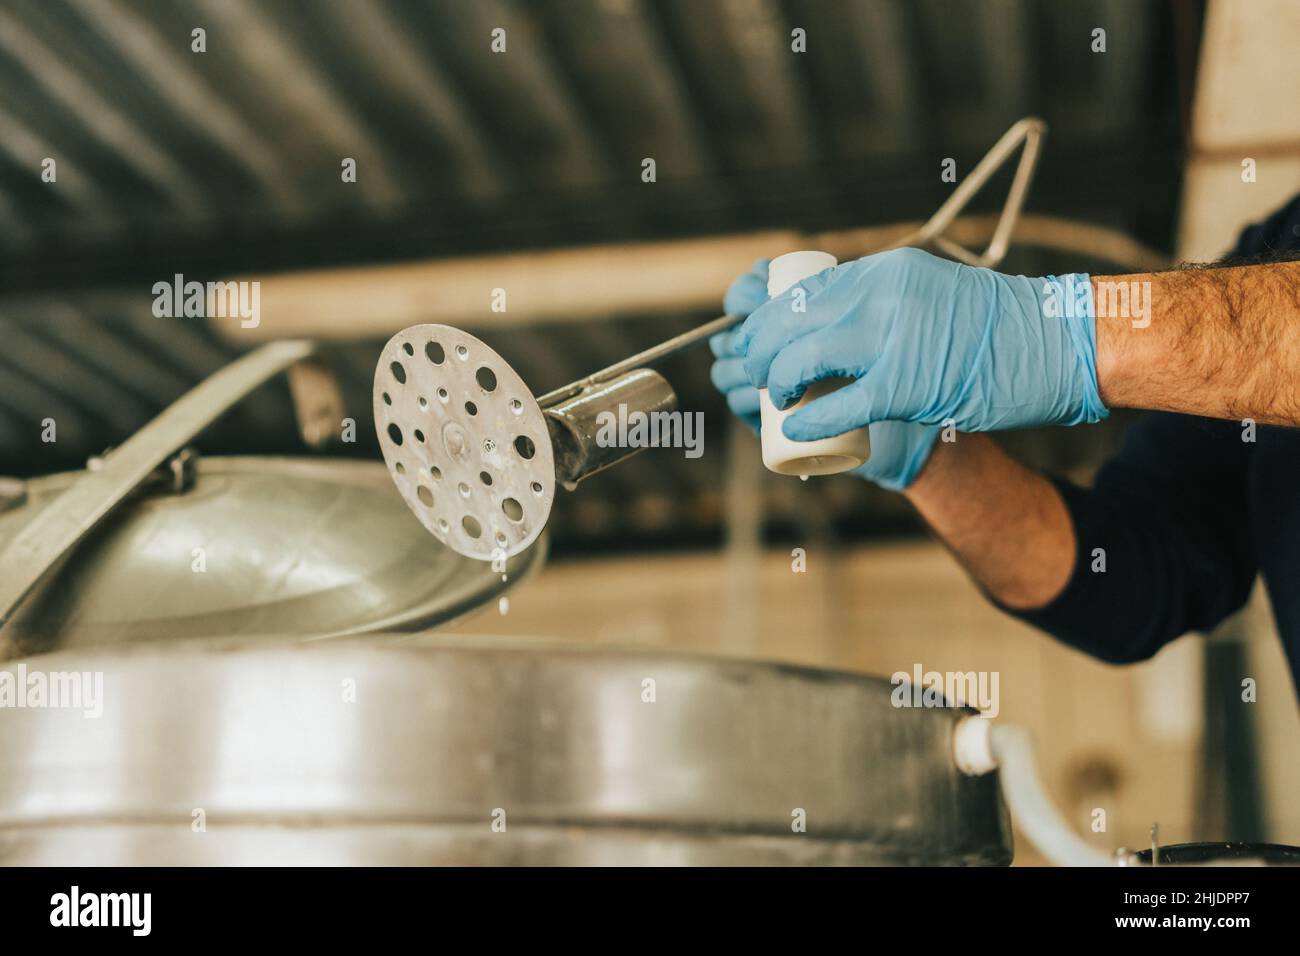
(826, 456)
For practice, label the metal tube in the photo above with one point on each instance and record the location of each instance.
(578, 424)
(677, 343)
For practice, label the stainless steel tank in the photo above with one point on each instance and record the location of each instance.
(459, 751)
(151, 542)
(167, 699)
(290, 548)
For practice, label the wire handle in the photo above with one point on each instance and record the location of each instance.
(1029, 131)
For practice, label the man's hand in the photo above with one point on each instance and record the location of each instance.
(927, 341)
(898, 449)
(746, 294)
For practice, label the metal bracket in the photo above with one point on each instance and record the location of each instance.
(13, 493)
(317, 401)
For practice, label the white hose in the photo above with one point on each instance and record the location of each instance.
(1013, 752)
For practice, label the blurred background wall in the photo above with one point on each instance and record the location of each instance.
(226, 162)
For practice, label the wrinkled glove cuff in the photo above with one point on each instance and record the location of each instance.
(1079, 314)
(917, 456)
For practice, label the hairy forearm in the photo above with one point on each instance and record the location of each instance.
(1006, 524)
(1220, 343)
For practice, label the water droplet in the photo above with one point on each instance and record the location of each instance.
(803, 477)
(503, 605)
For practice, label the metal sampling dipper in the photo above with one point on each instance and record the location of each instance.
(477, 457)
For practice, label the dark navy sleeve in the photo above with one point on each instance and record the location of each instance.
(1280, 232)
(1163, 537)
(1163, 541)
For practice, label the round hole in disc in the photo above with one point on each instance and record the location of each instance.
(399, 468)
(484, 477)
(486, 378)
(516, 406)
(501, 538)
(425, 496)
(442, 395)
(408, 348)
(524, 445)
(388, 399)
(471, 408)
(537, 487)
(419, 436)
(399, 372)
(513, 509)
(471, 526)
(464, 489)
(442, 524)
(394, 434)
(437, 354)
(436, 472)
(424, 402)
(462, 352)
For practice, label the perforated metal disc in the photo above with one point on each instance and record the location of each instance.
(464, 440)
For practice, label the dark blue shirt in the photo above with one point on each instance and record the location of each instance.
(1187, 514)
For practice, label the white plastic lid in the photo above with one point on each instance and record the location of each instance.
(784, 271)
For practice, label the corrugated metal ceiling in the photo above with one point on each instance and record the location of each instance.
(206, 163)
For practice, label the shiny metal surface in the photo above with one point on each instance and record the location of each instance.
(292, 547)
(48, 536)
(578, 424)
(409, 750)
(464, 441)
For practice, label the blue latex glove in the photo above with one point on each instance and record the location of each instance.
(928, 341)
(745, 295)
(898, 449)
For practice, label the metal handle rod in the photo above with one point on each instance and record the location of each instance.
(677, 343)
(1029, 131)
(57, 529)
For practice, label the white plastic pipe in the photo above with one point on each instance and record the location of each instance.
(980, 747)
